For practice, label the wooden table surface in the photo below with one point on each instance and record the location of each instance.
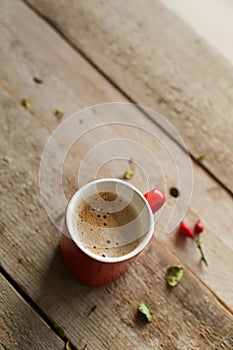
(87, 53)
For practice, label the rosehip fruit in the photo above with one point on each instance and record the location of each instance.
(198, 228)
(186, 230)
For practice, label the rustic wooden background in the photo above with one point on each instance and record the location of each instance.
(89, 52)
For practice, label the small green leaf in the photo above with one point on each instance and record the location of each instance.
(145, 310)
(59, 216)
(26, 103)
(128, 174)
(58, 113)
(174, 275)
(201, 158)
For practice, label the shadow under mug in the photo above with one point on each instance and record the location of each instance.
(92, 269)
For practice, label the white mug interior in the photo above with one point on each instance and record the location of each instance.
(129, 193)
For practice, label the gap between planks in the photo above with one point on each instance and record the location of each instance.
(20, 324)
(122, 91)
(32, 304)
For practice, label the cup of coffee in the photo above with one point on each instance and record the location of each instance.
(108, 223)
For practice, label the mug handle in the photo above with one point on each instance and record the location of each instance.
(156, 198)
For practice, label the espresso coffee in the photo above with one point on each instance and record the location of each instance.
(108, 225)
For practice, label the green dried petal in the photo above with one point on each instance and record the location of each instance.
(174, 275)
(59, 216)
(128, 174)
(59, 113)
(26, 103)
(201, 158)
(145, 310)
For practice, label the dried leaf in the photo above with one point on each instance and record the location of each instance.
(174, 275)
(59, 113)
(26, 103)
(59, 216)
(201, 158)
(145, 310)
(128, 174)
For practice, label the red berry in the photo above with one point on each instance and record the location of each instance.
(186, 230)
(198, 228)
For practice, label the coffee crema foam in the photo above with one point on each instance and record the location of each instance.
(107, 225)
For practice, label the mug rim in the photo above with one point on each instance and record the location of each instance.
(68, 221)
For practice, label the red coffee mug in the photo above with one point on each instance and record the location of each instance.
(95, 270)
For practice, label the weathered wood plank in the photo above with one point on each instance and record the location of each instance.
(26, 60)
(29, 241)
(159, 62)
(20, 326)
(28, 57)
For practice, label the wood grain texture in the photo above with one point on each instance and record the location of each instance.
(65, 88)
(159, 62)
(20, 326)
(30, 130)
(29, 242)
